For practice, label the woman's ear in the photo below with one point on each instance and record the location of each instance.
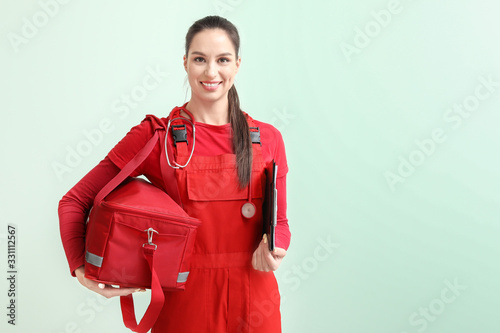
(185, 63)
(238, 63)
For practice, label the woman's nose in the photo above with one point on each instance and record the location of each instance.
(211, 70)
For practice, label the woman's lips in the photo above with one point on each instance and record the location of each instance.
(211, 85)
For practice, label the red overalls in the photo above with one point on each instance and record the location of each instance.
(223, 292)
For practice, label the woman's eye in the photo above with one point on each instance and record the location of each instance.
(199, 59)
(224, 60)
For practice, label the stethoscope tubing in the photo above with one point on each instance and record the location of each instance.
(245, 209)
(177, 165)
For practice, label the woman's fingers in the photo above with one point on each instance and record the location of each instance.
(274, 258)
(257, 257)
(107, 291)
(254, 259)
(265, 260)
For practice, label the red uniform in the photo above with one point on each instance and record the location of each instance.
(223, 293)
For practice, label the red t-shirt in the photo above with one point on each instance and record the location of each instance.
(210, 140)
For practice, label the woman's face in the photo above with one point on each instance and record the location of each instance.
(211, 65)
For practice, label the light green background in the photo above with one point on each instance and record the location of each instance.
(346, 121)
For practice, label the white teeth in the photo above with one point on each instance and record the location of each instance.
(210, 84)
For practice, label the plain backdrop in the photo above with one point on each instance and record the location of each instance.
(389, 111)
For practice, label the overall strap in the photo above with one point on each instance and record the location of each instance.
(168, 174)
(179, 135)
(254, 137)
(254, 133)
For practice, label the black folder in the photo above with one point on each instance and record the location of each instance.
(270, 204)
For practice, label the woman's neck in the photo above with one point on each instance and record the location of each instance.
(213, 113)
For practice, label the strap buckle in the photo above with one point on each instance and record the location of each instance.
(255, 135)
(179, 133)
(182, 137)
(150, 232)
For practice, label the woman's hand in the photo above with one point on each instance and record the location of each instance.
(107, 291)
(265, 260)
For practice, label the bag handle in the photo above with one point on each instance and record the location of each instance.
(157, 299)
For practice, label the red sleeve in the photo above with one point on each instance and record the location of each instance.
(273, 147)
(283, 234)
(74, 208)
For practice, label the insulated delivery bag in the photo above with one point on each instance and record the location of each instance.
(138, 236)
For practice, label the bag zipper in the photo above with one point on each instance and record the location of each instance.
(125, 208)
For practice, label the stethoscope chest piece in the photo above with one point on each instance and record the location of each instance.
(248, 210)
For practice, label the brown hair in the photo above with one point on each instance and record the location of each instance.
(241, 136)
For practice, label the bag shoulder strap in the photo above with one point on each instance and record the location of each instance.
(127, 169)
(168, 178)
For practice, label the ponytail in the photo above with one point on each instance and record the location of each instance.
(242, 144)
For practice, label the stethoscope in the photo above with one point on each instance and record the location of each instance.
(177, 165)
(248, 209)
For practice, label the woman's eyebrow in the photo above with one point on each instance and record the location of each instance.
(219, 55)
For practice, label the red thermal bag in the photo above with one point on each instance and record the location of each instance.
(138, 236)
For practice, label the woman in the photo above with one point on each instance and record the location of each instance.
(231, 287)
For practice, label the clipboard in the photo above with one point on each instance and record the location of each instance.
(270, 208)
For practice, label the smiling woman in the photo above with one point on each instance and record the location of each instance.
(231, 285)
(212, 46)
(211, 70)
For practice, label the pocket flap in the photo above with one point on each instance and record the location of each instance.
(220, 185)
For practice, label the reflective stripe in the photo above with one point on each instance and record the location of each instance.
(93, 259)
(182, 277)
(97, 261)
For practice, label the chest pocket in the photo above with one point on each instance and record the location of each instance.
(220, 185)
